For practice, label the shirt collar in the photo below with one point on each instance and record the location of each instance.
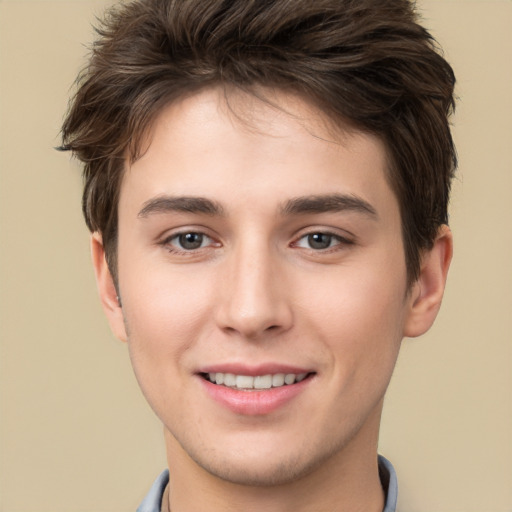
(153, 500)
(389, 483)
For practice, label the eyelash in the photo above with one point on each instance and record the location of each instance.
(168, 242)
(340, 241)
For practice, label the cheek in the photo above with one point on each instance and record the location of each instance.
(164, 315)
(162, 329)
(360, 322)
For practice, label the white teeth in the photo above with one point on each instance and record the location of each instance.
(289, 378)
(229, 380)
(259, 382)
(244, 382)
(278, 380)
(263, 382)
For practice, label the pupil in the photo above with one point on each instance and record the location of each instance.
(191, 240)
(319, 241)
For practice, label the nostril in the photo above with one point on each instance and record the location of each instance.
(251, 317)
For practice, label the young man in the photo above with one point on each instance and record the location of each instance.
(267, 188)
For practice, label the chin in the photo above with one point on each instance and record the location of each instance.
(260, 468)
(265, 474)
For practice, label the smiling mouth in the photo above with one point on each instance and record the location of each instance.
(258, 382)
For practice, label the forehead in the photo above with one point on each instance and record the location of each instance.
(218, 143)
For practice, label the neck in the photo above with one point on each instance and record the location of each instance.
(347, 482)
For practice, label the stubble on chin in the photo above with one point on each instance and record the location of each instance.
(289, 469)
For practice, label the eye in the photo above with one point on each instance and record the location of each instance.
(188, 241)
(320, 241)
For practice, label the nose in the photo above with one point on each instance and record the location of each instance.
(254, 300)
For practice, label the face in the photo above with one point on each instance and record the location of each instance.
(263, 285)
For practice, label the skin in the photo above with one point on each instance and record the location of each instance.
(256, 291)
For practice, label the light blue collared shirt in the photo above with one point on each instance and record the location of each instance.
(153, 500)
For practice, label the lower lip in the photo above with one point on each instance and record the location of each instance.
(254, 402)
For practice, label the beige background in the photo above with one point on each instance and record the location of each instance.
(76, 435)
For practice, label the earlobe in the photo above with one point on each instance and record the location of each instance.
(108, 294)
(427, 292)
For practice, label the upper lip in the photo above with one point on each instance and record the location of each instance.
(254, 370)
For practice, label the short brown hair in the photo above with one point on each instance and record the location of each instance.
(367, 63)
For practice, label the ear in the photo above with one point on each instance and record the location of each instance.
(106, 288)
(427, 292)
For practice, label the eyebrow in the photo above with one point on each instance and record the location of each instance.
(328, 203)
(295, 206)
(168, 204)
